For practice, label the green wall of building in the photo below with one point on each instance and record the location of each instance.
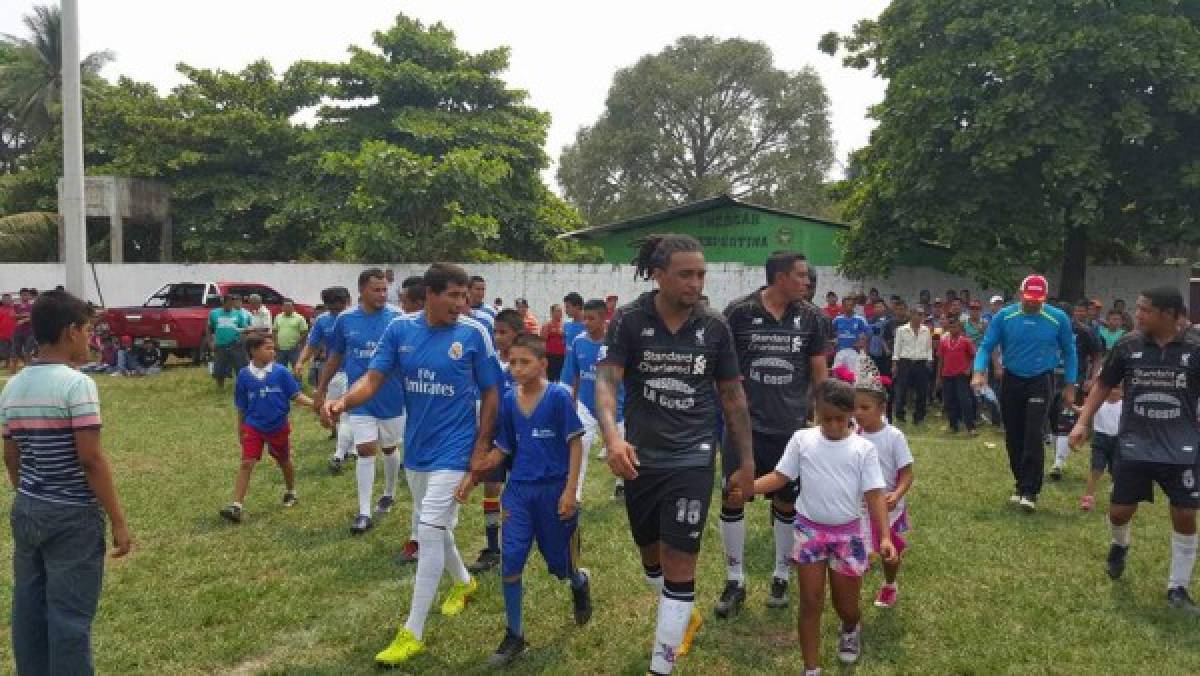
(738, 234)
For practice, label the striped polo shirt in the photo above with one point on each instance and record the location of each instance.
(41, 408)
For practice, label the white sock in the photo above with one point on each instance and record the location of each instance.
(454, 563)
(785, 540)
(391, 470)
(1062, 450)
(1183, 560)
(345, 440)
(364, 473)
(429, 573)
(1121, 535)
(733, 537)
(674, 613)
(654, 579)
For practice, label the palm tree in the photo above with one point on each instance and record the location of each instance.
(31, 83)
(29, 237)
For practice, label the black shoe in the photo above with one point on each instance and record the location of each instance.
(362, 523)
(232, 514)
(385, 504)
(619, 492)
(1116, 560)
(289, 499)
(510, 649)
(731, 599)
(488, 559)
(1056, 473)
(1178, 599)
(581, 599)
(335, 465)
(779, 594)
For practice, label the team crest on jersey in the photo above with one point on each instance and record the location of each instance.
(757, 321)
(1189, 479)
(797, 321)
(699, 336)
(1185, 358)
(699, 364)
(456, 350)
(648, 331)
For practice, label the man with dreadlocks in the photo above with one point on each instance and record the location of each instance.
(674, 357)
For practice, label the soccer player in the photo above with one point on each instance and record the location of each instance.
(1158, 369)
(1030, 336)
(780, 342)
(574, 326)
(316, 347)
(539, 432)
(375, 424)
(264, 392)
(509, 325)
(480, 311)
(446, 362)
(579, 374)
(675, 359)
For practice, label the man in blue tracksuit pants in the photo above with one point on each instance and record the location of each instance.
(1031, 336)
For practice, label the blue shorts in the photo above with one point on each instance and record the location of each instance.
(531, 513)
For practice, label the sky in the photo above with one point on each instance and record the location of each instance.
(563, 53)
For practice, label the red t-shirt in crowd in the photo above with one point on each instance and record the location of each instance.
(956, 355)
(556, 344)
(24, 313)
(8, 322)
(832, 311)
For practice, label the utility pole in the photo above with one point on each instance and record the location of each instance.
(73, 208)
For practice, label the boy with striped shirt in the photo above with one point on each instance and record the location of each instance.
(50, 418)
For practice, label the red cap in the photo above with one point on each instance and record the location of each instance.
(1034, 288)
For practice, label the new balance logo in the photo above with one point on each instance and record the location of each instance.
(757, 321)
(648, 332)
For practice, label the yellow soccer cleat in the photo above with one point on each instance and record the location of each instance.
(457, 597)
(402, 648)
(689, 634)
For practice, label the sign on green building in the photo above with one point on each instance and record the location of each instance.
(733, 231)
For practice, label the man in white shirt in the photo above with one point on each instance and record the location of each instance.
(260, 316)
(912, 361)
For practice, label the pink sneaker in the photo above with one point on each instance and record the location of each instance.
(887, 597)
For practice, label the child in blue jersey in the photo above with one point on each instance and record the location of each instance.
(579, 374)
(316, 348)
(264, 392)
(508, 325)
(539, 430)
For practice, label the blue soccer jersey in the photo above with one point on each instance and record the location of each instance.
(539, 443)
(572, 330)
(355, 336)
(582, 356)
(485, 316)
(848, 330)
(265, 402)
(443, 369)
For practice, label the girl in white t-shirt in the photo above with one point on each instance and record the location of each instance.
(1104, 445)
(835, 470)
(896, 465)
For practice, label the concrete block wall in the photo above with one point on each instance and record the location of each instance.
(541, 283)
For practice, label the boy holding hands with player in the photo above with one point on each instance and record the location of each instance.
(539, 429)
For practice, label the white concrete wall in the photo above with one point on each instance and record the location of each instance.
(541, 283)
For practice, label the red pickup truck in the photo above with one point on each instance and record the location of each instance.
(177, 314)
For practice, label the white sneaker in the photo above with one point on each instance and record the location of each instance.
(1028, 505)
(849, 645)
(1014, 499)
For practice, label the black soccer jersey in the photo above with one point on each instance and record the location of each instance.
(774, 357)
(1159, 418)
(670, 394)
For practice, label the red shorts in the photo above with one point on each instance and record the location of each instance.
(277, 443)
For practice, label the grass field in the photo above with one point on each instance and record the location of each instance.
(984, 589)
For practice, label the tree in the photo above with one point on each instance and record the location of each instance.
(30, 236)
(1029, 133)
(701, 118)
(424, 152)
(31, 80)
